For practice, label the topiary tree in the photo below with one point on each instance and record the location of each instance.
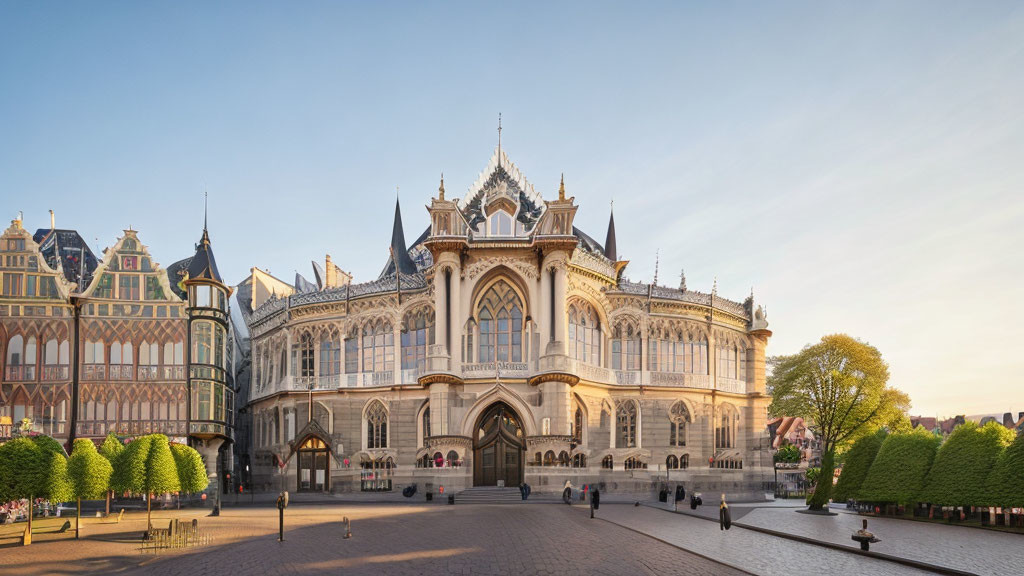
(111, 448)
(191, 470)
(90, 475)
(49, 445)
(856, 464)
(1006, 483)
(57, 487)
(23, 471)
(959, 476)
(146, 467)
(130, 467)
(900, 468)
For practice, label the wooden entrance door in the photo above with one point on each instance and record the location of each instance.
(498, 448)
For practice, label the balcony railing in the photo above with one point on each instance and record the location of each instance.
(55, 372)
(174, 372)
(502, 369)
(370, 379)
(23, 372)
(94, 372)
(730, 385)
(121, 372)
(148, 373)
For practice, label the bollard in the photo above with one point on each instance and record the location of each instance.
(282, 503)
(348, 528)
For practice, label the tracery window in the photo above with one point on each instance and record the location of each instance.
(626, 347)
(376, 426)
(418, 334)
(378, 347)
(725, 427)
(727, 360)
(626, 420)
(634, 463)
(426, 422)
(501, 325)
(352, 352)
(607, 462)
(679, 417)
(672, 462)
(578, 422)
(584, 333)
(330, 355)
(305, 355)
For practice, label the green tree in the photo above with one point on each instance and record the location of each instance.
(900, 468)
(959, 476)
(838, 385)
(1006, 483)
(57, 487)
(856, 464)
(23, 470)
(191, 470)
(90, 475)
(130, 467)
(49, 445)
(111, 448)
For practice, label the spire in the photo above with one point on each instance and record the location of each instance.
(657, 259)
(561, 188)
(402, 262)
(682, 280)
(499, 138)
(206, 205)
(609, 240)
(440, 190)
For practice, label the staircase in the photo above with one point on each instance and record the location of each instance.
(489, 495)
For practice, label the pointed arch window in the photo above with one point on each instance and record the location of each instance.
(584, 333)
(305, 355)
(679, 417)
(626, 421)
(330, 355)
(352, 352)
(626, 347)
(727, 360)
(499, 223)
(426, 423)
(725, 428)
(376, 426)
(378, 347)
(418, 334)
(501, 324)
(578, 422)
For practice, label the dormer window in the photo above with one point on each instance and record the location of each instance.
(130, 263)
(499, 224)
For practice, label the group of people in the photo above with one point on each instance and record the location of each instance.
(17, 510)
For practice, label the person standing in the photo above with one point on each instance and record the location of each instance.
(724, 518)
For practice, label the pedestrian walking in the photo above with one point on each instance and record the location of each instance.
(724, 518)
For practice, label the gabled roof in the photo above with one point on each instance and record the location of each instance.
(68, 252)
(502, 177)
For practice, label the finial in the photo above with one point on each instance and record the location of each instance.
(612, 204)
(657, 257)
(682, 280)
(206, 204)
(499, 138)
(440, 191)
(561, 188)
(714, 287)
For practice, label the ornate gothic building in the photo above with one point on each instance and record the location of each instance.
(503, 346)
(118, 344)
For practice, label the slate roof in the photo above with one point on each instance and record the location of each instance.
(203, 265)
(68, 247)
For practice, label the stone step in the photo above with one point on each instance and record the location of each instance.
(488, 495)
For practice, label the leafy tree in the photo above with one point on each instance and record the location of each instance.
(1006, 483)
(57, 487)
(23, 471)
(959, 476)
(146, 467)
(191, 470)
(900, 467)
(111, 448)
(90, 475)
(130, 467)
(49, 445)
(788, 453)
(839, 385)
(856, 464)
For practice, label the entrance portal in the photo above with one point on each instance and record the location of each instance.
(498, 448)
(313, 469)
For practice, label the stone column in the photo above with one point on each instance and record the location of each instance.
(209, 450)
(439, 409)
(561, 286)
(440, 309)
(544, 322)
(458, 319)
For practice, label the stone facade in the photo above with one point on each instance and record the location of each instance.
(503, 311)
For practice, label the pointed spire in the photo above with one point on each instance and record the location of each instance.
(682, 280)
(657, 260)
(714, 287)
(609, 240)
(561, 188)
(206, 205)
(400, 252)
(499, 138)
(440, 190)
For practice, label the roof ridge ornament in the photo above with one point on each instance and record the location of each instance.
(561, 188)
(440, 190)
(499, 139)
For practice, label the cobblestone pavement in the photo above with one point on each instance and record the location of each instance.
(746, 549)
(959, 547)
(390, 539)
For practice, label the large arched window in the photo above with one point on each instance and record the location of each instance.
(626, 347)
(202, 342)
(417, 335)
(667, 351)
(728, 361)
(578, 423)
(352, 352)
(678, 417)
(584, 333)
(376, 426)
(330, 355)
(696, 354)
(304, 356)
(378, 347)
(426, 423)
(501, 324)
(625, 424)
(499, 223)
(725, 427)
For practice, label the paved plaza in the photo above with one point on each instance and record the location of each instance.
(511, 539)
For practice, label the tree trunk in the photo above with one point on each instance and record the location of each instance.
(78, 519)
(31, 499)
(109, 492)
(149, 513)
(823, 490)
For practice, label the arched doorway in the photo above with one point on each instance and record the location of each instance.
(498, 447)
(313, 470)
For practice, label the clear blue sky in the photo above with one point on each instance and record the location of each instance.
(860, 164)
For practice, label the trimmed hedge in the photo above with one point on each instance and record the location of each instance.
(130, 467)
(1006, 483)
(23, 468)
(959, 476)
(88, 470)
(111, 448)
(899, 470)
(191, 470)
(858, 462)
(161, 471)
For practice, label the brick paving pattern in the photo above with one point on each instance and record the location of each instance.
(392, 539)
